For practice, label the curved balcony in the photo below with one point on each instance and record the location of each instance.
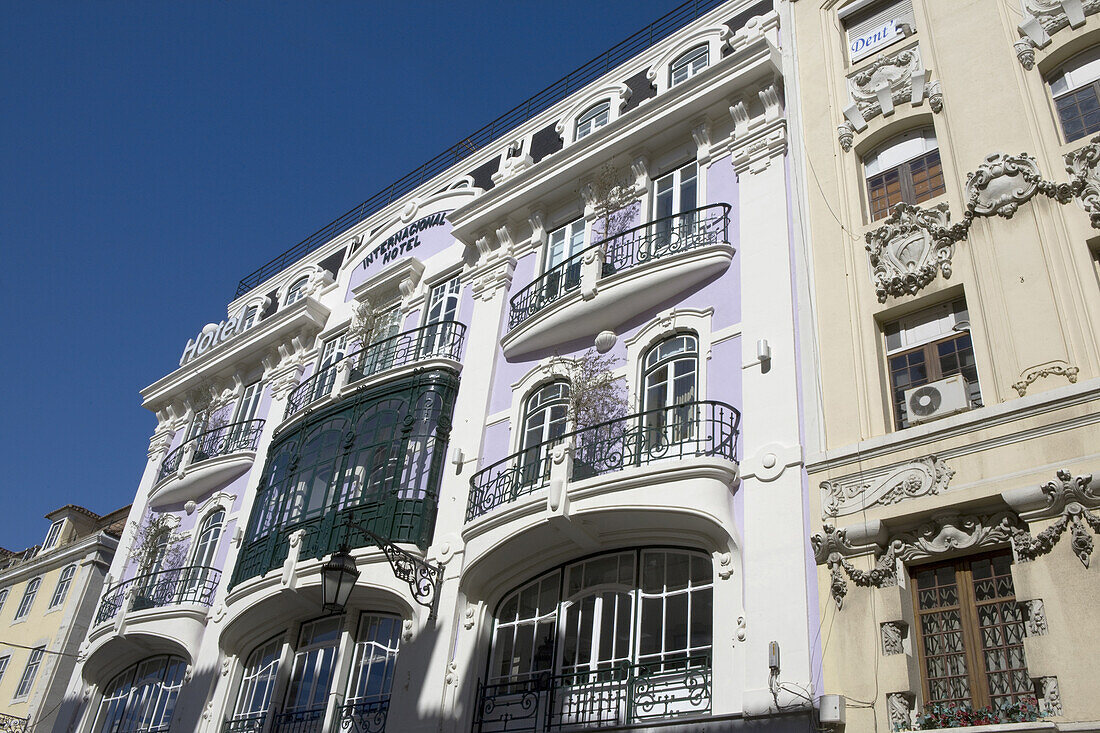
(207, 460)
(442, 340)
(690, 430)
(653, 261)
(187, 585)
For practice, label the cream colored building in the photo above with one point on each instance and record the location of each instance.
(956, 397)
(48, 594)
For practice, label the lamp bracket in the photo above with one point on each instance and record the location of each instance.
(424, 578)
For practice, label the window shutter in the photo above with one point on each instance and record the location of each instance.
(861, 24)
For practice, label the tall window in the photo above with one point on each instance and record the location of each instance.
(249, 403)
(296, 291)
(1076, 92)
(583, 632)
(442, 307)
(312, 675)
(544, 420)
(249, 317)
(670, 378)
(201, 573)
(53, 535)
(971, 633)
(333, 350)
(28, 598)
(63, 584)
(26, 682)
(688, 65)
(592, 120)
(142, 698)
(260, 671)
(371, 679)
(3, 597)
(906, 169)
(927, 346)
(4, 665)
(676, 195)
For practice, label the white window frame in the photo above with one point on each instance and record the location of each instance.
(296, 290)
(568, 240)
(157, 695)
(688, 62)
(64, 582)
(251, 312)
(592, 119)
(3, 598)
(888, 23)
(53, 535)
(249, 402)
(1078, 72)
(5, 660)
(30, 593)
(303, 652)
(30, 672)
(369, 652)
(255, 676)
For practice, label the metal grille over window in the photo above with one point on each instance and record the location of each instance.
(618, 639)
(972, 633)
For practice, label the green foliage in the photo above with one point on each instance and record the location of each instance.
(961, 716)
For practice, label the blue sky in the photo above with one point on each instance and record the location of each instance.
(156, 152)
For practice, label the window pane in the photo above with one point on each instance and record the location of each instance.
(1001, 630)
(883, 191)
(1079, 112)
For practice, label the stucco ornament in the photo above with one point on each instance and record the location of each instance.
(893, 637)
(922, 477)
(890, 80)
(1025, 52)
(1054, 368)
(1035, 617)
(1050, 701)
(899, 705)
(909, 249)
(1042, 18)
(1083, 165)
(1001, 183)
(845, 133)
(952, 531)
(830, 548)
(1071, 498)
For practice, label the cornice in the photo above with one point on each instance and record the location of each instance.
(55, 558)
(307, 315)
(755, 62)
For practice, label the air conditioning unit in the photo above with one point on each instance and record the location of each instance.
(937, 399)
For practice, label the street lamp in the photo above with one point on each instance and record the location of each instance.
(338, 577)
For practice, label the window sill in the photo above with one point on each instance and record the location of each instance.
(1034, 726)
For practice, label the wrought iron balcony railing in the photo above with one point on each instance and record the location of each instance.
(363, 716)
(689, 430)
(660, 238)
(442, 340)
(233, 438)
(356, 716)
(619, 695)
(251, 723)
(307, 720)
(12, 724)
(191, 584)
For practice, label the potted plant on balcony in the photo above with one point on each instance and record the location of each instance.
(945, 715)
(596, 405)
(612, 196)
(155, 552)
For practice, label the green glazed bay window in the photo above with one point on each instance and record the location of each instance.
(374, 460)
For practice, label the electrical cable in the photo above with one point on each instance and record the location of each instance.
(36, 648)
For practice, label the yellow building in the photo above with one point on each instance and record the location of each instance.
(950, 203)
(48, 595)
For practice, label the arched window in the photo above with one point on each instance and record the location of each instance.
(670, 379)
(1076, 92)
(142, 698)
(545, 415)
(587, 634)
(249, 317)
(257, 685)
(906, 169)
(28, 598)
(595, 118)
(201, 576)
(63, 584)
(688, 65)
(296, 291)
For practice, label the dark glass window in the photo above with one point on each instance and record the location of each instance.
(911, 182)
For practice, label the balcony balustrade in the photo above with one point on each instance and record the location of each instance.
(356, 716)
(688, 430)
(223, 441)
(658, 239)
(193, 584)
(442, 340)
(618, 694)
(12, 724)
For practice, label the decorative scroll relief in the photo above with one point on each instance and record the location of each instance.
(1045, 17)
(923, 477)
(1054, 368)
(947, 532)
(893, 637)
(909, 249)
(900, 705)
(891, 80)
(1071, 499)
(1000, 185)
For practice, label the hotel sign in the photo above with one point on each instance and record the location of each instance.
(210, 337)
(404, 241)
(881, 35)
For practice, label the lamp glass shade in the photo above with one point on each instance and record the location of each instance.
(338, 577)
